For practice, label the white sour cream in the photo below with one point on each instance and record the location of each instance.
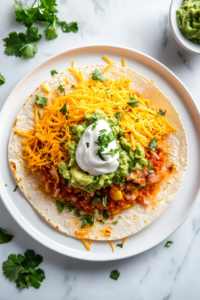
(87, 157)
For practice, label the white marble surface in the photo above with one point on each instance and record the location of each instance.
(160, 273)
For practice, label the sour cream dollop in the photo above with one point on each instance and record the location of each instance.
(87, 157)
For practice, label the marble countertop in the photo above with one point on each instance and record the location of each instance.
(160, 273)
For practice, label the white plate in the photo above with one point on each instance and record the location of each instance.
(172, 217)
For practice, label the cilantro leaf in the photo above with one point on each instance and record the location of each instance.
(105, 217)
(96, 213)
(61, 89)
(66, 117)
(150, 168)
(168, 244)
(120, 245)
(52, 30)
(25, 14)
(2, 79)
(22, 44)
(102, 131)
(64, 109)
(42, 101)
(130, 166)
(5, 237)
(117, 179)
(114, 274)
(31, 260)
(104, 201)
(53, 72)
(121, 182)
(87, 145)
(69, 27)
(115, 222)
(133, 102)
(112, 152)
(95, 201)
(96, 75)
(117, 115)
(87, 220)
(137, 120)
(60, 205)
(16, 187)
(70, 207)
(12, 266)
(77, 213)
(94, 126)
(32, 278)
(161, 113)
(153, 144)
(73, 86)
(64, 142)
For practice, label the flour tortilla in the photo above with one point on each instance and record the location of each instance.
(130, 221)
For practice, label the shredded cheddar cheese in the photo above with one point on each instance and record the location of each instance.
(123, 63)
(73, 64)
(110, 65)
(124, 240)
(112, 246)
(86, 244)
(47, 144)
(45, 88)
(90, 242)
(107, 59)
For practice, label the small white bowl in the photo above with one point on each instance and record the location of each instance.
(180, 38)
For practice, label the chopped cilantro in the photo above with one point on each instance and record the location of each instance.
(116, 105)
(73, 86)
(111, 152)
(61, 89)
(5, 237)
(2, 79)
(87, 145)
(22, 270)
(117, 115)
(124, 111)
(150, 172)
(114, 274)
(102, 131)
(104, 201)
(16, 187)
(168, 244)
(53, 72)
(130, 166)
(70, 27)
(60, 205)
(87, 220)
(137, 120)
(64, 109)
(105, 139)
(22, 44)
(42, 101)
(70, 206)
(105, 217)
(117, 177)
(120, 245)
(121, 182)
(150, 168)
(133, 102)
(115, 222)
(64, 142)
(161, 113)
(95, 201)
(77, 213)
(94, 126)
(100, 155)
(153, 144)
(96, 213)
(6, 185)
(96, 75)
(38, 113)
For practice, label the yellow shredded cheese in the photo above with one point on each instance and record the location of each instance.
(124, 240)
(45, 88)
(110, 65)
(47, 144)
(73, 64)
(107, 59)
(112, 246)
(86, 244)
(90, 242)
(123, 62)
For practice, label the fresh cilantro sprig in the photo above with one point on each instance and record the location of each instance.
(105, 217)
(133, 101)
(2, 79)
(120, 245)
(61, 89)
(111, 152)
(53, 72)
(61, 205)
(115, 222)
(95, 201)
(42, 101)
(86, 220)
(114, 274)
(104, 201)
(64, 109)
(5, 237)
(168, 244)
(97, 75)
(161, 113)
(22, 44)
(22, 270)
(153, 144)
(117, 115)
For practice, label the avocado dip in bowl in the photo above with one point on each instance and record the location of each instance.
(185, 25)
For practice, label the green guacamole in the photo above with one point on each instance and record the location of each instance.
(128, 159)
(188, 19)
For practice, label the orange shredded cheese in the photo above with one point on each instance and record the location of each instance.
(110, 65)
(47, 144)
(45, 88)
(86, 244)
(90, 242)
(112, 246)
(73, 64)
(124, 240)
(107, 59)
(123, 63)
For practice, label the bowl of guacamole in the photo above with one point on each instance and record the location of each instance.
(185, 24)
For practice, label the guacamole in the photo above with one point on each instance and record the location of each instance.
(128, 159)
(188, 19)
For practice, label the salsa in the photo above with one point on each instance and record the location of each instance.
(188, 19)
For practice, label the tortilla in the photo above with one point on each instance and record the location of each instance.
(131, 220)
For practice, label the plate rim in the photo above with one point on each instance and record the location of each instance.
(88, 46)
